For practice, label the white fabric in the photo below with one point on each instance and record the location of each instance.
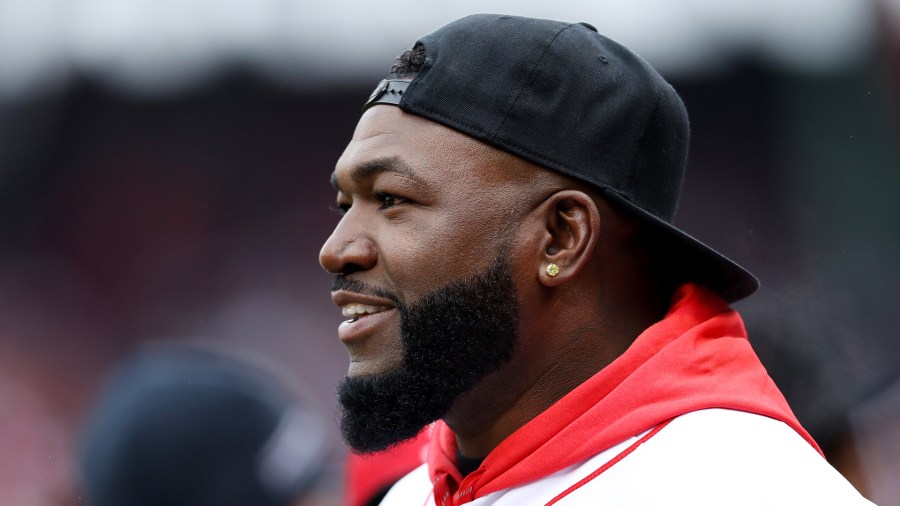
(712, 457)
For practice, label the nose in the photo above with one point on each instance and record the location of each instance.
(349, 249)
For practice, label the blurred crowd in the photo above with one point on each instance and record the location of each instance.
(133, 227)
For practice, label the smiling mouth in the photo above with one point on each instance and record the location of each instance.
(357, 311)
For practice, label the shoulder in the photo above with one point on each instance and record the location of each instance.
(705, 458)
(719, 456)
(414, 489)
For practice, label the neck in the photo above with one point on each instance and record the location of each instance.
(565, 352)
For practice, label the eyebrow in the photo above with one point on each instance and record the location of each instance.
(378, 166)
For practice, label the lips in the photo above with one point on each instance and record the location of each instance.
(365, 314)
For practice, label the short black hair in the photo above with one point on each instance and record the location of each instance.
(408, 64)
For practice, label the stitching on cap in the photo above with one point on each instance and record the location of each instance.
(528, 81)
(639, 158)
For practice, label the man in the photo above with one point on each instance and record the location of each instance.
(508, 266)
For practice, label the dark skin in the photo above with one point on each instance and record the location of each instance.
(425, 205)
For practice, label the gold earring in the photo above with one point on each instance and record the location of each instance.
(552, 270)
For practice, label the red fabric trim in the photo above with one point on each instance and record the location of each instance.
(615, 460)
(697, 357)
(367, 475)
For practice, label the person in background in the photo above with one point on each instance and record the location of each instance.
(194, 426)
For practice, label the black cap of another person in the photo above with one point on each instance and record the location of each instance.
(192, 427)
(573, 101)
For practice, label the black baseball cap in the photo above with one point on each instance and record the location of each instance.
(192, 426)
(569, 99)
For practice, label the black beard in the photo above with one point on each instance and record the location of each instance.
(452, 339)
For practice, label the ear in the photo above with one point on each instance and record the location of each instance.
(571, 232)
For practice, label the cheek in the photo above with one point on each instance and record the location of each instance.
(430, 253)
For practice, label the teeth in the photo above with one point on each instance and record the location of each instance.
(357, 310)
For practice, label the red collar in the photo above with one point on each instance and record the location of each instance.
(697, 357)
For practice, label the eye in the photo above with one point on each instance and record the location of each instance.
(388, 200)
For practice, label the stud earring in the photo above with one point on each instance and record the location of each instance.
(552, 270)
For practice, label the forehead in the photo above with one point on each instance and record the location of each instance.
(423, 149)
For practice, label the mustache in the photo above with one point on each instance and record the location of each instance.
(356, 286)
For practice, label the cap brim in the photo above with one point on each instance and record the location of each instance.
(691, 260)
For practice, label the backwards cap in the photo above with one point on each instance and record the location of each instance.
(573, 101)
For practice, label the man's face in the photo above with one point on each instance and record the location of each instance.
(424, 271)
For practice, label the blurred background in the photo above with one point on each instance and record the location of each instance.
(164, 177)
